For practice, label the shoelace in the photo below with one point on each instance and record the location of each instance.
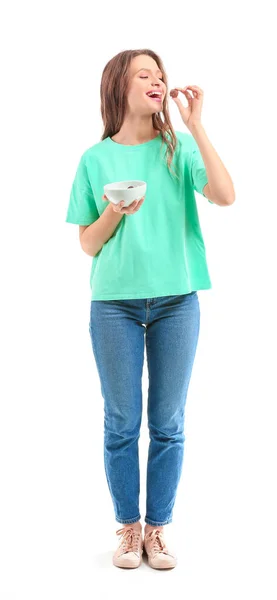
(130, 539)
(156, 535)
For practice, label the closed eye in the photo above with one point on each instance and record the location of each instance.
(161, 78)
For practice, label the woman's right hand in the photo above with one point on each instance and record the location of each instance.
(125, 210)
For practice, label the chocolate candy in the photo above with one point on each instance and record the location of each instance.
(174, 93)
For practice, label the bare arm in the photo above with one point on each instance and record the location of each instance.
(92, 237)
(220, 188)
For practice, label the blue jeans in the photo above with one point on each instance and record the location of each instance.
(118, 328)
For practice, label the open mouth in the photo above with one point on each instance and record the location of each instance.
(155, 96)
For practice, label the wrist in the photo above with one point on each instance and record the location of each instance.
(113, 212)
(195, 126)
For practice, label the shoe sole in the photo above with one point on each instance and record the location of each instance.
(133, 564)
(161, 567)
(122, 563)
(166, 565)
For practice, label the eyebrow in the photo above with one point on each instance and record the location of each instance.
(158, 70)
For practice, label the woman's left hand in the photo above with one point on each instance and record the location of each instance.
(191, 114)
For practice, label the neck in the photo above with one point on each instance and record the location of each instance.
(135, 131)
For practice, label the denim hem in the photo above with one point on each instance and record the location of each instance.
(134, 520)
(149, 522)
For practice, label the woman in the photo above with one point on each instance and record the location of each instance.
(149, 262)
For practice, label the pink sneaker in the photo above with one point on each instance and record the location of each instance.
(159, 556)
(130, 549)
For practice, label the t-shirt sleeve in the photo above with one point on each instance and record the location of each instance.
(82, 208)
(198, 170)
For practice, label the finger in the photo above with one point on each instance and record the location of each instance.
(190, 87)
(188, 96)
(129, 210)
(195, 91)
(181, 89)
(118, 207)
(132, 207)
(194, 88)
(185, 92)
(121, 207)
(140, 202)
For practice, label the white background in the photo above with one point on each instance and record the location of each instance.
(57, 523)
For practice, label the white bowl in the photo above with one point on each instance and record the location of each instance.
(118, 191)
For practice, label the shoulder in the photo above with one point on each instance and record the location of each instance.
(186, 145)
(94, 151)
(186, 140)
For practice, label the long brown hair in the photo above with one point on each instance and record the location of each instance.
(113, 90)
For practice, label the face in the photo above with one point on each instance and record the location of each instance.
(145, 76)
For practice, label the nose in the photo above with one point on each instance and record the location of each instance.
(158, 85)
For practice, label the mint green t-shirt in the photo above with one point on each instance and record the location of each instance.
(159, 250)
